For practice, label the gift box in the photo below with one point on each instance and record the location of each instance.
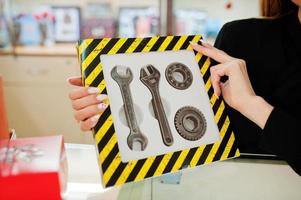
(161, 114)
(33, 168)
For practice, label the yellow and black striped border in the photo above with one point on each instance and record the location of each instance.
(116, 172)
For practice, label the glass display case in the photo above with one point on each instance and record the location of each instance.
(98, 18)
(207, 18)
(117, 18)
(138, 22)
(4, 26)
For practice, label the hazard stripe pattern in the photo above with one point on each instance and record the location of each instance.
(116, 172)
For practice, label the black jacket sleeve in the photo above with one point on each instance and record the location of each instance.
(281, 135)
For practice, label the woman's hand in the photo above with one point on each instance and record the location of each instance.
(87, 103)
(237, 91)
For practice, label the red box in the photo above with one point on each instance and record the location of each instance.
(33, 168)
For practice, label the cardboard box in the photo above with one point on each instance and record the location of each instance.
(33, 168)
(200, 130)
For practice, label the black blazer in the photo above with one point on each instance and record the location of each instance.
(272, 51)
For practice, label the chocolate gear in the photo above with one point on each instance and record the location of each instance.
(183, 71)
(190, 123)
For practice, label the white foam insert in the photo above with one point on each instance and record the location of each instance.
(174, 99)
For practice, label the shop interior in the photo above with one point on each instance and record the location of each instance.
(38, 53)
(38, 48)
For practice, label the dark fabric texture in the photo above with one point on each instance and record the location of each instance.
(272, 51)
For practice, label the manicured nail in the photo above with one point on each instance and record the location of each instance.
(217, 97)
(72, 77)
(102, 106)
(93, 90)
(95, 118)
(101, 97)
(68, 79)
(205, 44)
(192, 43)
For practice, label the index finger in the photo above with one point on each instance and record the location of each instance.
(212, 52)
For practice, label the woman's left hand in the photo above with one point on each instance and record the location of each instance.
(237, 91)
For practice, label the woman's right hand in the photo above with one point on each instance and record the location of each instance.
(87, 103)
(237, 91)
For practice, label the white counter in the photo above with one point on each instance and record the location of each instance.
(232, 179)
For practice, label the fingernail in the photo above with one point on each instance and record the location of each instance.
(101, 97)
(205, 44)
(102, 106)
(95, 118)
(93, 90)
(68, 79)
(192, 43)
(217, 97)
(72, 77)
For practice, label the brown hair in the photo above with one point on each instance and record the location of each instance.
(277, 8)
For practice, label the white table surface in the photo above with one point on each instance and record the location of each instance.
(231, 179)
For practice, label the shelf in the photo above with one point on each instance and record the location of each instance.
(55, 50)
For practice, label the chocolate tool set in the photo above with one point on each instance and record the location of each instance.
(189, 121)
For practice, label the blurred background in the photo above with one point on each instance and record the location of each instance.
(38, 48)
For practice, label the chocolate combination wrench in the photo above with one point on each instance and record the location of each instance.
(150, 77)
(123, 80)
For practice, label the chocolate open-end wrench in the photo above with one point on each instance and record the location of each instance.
(123, 80)
(150, 77)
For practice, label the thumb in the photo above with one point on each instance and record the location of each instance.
(75, 80)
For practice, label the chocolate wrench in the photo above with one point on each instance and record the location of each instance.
(123, 81)
(150, 77)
